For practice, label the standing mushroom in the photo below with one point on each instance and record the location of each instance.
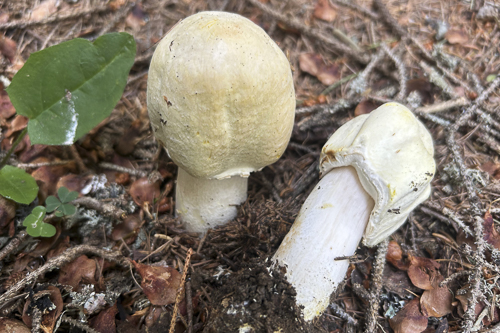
(375, 170)
(221, 101)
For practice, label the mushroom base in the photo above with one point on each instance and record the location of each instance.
(330, 224)
(203, 204)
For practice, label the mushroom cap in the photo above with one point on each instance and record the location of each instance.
(220, 96)
(392, 153)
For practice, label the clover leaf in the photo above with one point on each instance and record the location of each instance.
(62, 207)
(35, 226)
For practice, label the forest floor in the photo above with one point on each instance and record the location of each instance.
(105, 269)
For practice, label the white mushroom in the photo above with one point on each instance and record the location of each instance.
(375, 170)
(221, 101)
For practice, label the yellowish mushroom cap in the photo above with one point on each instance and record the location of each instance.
(392, 153)
(220, 96)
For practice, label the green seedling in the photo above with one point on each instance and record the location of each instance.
(17, 185)
(65, 91)
(62, 207)
(35, 226)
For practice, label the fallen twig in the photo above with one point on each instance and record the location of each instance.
(23, 23)
(13, 244)
(56, 262)
(104, 208)
(401, 71)
(180, 290)
(311, 32)
(444, 106)
(378, 268)
(389, 19)
(342, 314)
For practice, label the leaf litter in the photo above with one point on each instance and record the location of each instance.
(228, 279)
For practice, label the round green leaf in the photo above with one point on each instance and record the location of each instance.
(65, 195)
(52, 203)
(67, 89)
(17, 185)
(35, 226)
(68, 209)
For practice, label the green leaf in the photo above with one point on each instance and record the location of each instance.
(491, 77)
(35, 226)
(17, 185)
(59, 213)
(65, 195)
(68, 209)
(67, 89)
(52, 203)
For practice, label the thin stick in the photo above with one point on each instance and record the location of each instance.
(13, 244)
(338, 83)
(311, 32)
(401, 71)
(23, 23)
(78, 159)
(104, 208)
(189, 306)
(119, 168)
(14, 145)
(371, 315)
(180, 290)
(56, 262)
(444, 106)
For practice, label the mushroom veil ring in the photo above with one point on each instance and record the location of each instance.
(375, 170)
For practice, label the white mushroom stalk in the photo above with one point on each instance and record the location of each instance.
(375, 170)
(221, 101)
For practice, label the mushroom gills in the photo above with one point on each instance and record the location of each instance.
(330, 224)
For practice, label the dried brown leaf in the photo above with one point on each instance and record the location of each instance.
(18, 124)
(129, 139)
(82, 269)
(143, 192)
(7, 211)
(44, 10)
(409, 319)
(436, 302)
(47, 177)
(159, 283)
(456, 36)
(4, 17)
(77, 183)
(104, 322)
(365, 106)
(397, 281)
(49, 319)
(313, 64)
(130, 224)
(422, 271)
(8, 48)
(7, 110)
(13, 326)
(490, 232)
(135, 18)
(324, 11)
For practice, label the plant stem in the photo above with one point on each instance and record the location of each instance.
(14, 145)
(338, 83)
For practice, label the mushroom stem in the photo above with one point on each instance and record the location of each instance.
(330, 224)
(206, 203)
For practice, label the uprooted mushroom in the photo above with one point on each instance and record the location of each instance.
(375, 170)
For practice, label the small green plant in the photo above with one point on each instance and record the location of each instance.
(65, 91)
(35, 226)
(61, 207)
